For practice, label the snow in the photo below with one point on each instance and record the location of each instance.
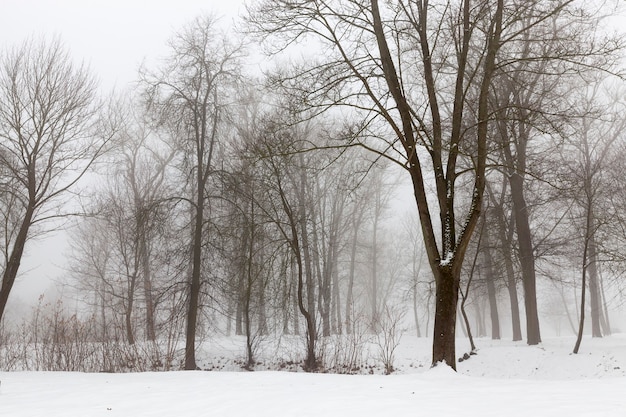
(447, 260)
(504, 379)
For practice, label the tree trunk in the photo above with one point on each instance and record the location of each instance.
(308, 267)
(194, 287)
(587, 261)
(567, 313)
(229, 318)
(250, 278)
(310, 363)
(324, 294)
(147, 278)
(239, 315)
(130, 336)
(467, 329)
(13, 264)
(296, 316)
(507, 257)
(527, 258)
(336, 300)
(606, 323)
(286, 307)
(356, 222)
(512, 289)
(415, 312)
(262, 311)
(594, 291)
(446, 298)
(464, 323)
(581, 323)
(259, 277)
(480, 319)
(248, 328)
(374, 271)
(491, 288)
(104, 329)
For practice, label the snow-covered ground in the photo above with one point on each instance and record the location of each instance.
(504, 379)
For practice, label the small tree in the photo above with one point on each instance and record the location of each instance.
(600, 127)
(285, 179)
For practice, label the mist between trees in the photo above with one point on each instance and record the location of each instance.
(219, 202)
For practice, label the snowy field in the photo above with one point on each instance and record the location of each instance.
(505, 379)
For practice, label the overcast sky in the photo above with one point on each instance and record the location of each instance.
(113, 36)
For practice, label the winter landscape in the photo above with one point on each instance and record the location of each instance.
(504, 378)
(312, 208)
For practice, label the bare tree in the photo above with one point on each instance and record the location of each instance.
(188, 95)
(504, 228)
(142, 169)
(357, 215)
(600, 127)
(531, 84)
(391, 58)
(89, 264)
(248, 241)
(48, 109)
(286, 181)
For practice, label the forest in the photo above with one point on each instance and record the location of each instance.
(322, 174)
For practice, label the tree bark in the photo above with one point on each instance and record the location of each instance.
(147, 276)
(527, 258)
(594, 291)
(446, 299)
(491, 288)
(581, 323)
(606, 323)
(286, 302)
(567, 313)
(415, 312)
(310, 362)
(130, 336)
(306, 252)
(374, 323)
(357, 217)
(296, 315)
(480, 319)
(194, 285)
(336, 300)
(13, 264)
(249, 288)
(511, 286)
(507, 257)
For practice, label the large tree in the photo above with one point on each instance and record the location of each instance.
(48, 109)
(418, 75)
(188, 96)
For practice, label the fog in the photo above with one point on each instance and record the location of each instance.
(220, 200)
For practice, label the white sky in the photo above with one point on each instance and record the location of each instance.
(113, 36)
